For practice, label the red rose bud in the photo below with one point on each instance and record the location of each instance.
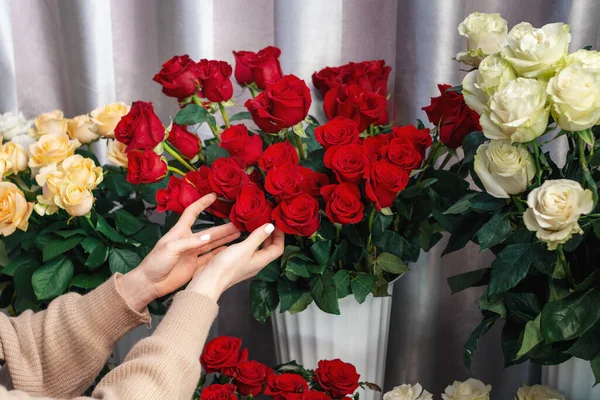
(348, 163)
(454, 118)
(215, 80)
(299, 216)
(421, 138)
(282, 105)
(384, 181)
(337, 378)
(243, 60)
(140, 128)
(251, 209)
(343, 203)
(278, 154)
(372, 76)
(352, 101)
(240, 144)
(402, 152)
(337, 132)
(167, 199)
(263, 67)
(178, 77)
(250, 377)
(280, 385)
(145, 166)
(219, 392)
(198, 181)
(285, 181)
(227, 177)
(221, 353)
(186, 142)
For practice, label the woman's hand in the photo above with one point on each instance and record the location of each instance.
(238, 262)
(176, 257)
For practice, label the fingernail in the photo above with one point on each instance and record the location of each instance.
(269, 229)
(205, 237)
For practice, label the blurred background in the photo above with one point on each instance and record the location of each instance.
(76, 55)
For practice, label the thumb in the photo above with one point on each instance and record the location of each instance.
(259, 235)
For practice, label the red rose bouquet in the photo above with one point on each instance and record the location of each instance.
(355, 195)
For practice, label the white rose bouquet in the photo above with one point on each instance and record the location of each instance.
(66, 221)
(539, 216)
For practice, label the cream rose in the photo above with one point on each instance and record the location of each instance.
(588, 59)
(108, 117)
(471, 389)
(14, 156)
(503, 168)
(14, 209)
(83, 129)
(485, 34)
(538, 392)
(116, 153)
(51, 149)
(474, 97)
(575, 97)
(518, 112)
(555, 208)
(534, 52)
(83, 171)
(13, 124)
(76, 199)
(51, 123)
(24, 141)
(408, 392)
(493, 72)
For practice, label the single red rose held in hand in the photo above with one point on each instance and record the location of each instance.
(250, 377)
(227, 177)
(352, 101)
(195, 185)
(178, 77)
(215, 80)
(299, 216)
(384, 181)
(219, 392)
(145, 166)
(221, 353)
(183, 140)
(280, 385)
(337, 132)
(251, 209)
(348, 163)
(238, 143)
(337, 378)
(343, 203)
(421, 138)
(140, 128)
(278, 154)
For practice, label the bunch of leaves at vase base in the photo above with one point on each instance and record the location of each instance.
(59, 253)
(550, 300)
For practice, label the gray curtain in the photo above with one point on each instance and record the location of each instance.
(79, 54)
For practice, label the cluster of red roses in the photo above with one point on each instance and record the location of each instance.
(333, 379)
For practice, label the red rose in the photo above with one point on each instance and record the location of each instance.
(220, 353)
(337, 132)
(219, 392)
(186, 142)
(167, 199)
(251, 209)
(384, 182)
(421, 138)
(195, 185)
(251, 376)
(314, 395)
(299, 216)
(374, 145)
(352, 101)
(279, 385)
(145, 166)
(240, 144)
(312, 182)
(215, 80)
(402, 152)
(337, 378)
(455, 119)
(348, 163)
(370, 75)
(227, 177)
(140, 128)
(282, 105)
(178, 77)
(330, 77)
(262, 68)
(278, 154)
(343, 204)
(243, 60)
(285, 181)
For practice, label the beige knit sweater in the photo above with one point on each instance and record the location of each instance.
(58, 352)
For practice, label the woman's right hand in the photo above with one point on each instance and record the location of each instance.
(238, 262)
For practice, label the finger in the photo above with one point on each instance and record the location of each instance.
(191, 213)
(271, 252)
(205, 258)
(258, 236)
(219, 231)
(219, 242)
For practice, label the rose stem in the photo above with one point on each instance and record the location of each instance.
(176, 156)
(538, 167)
(446, 160)
(586, 171)
(176, 170)
(224, 114)
(253, 91)
(300, 147)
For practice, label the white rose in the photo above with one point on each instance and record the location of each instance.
(503, 168)
(534, 52)
(13, 124)
(485, 34)
(517, 111)
(408, 392)
(575, 97)
(474, 97)
(116, 153)
(493, 72)
(83, 129)
(471, 389)
(538, 392)
(555, 208)
(588, 59)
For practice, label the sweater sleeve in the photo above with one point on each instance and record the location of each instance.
(58, 352)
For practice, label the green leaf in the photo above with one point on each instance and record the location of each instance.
(494, 232)
(380, 223)
(510, 267)
(288, 295)
(340, 252)
(68, 234)
(588, 344)
(469, 279)
(485, 202)
(391, 242)
(314, 160)
(595, 364)
(53, 278)
(88, 154)
(464, 230)
(587, 136)
(494, 304)
(297, 266)
(471, 143)
(531, 337)
(127, 224)
(522, 307)
(342, 283)
(103, 227)
(23, 260)
(194, 114)
(298, 129)
(544, 260)
(263, 299)
(244, 115)
(416, 189)
(324, 292)
(270, 273)
(89, 281)
(320, 251)
(471, 344)
(568, 318)
(361, 285)
(391, 263)
(462, 205)
(214, 152)
(97, 257)
(90, 243)
(60, 246)
(302, 303)
(122, 260)
(149, 235)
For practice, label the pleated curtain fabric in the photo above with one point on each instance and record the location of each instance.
(78, 54)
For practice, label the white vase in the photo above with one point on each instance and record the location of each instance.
(359, 335)
(573, 378)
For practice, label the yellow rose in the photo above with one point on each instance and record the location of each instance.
(108, 117)
(82, 171)
(49, 177)
(14, 209)
(538, 392)
(471, 389)
(83, 129)
(76, 199)
(51, 149)
(51, 123)
(116, 153)
(14, 156)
